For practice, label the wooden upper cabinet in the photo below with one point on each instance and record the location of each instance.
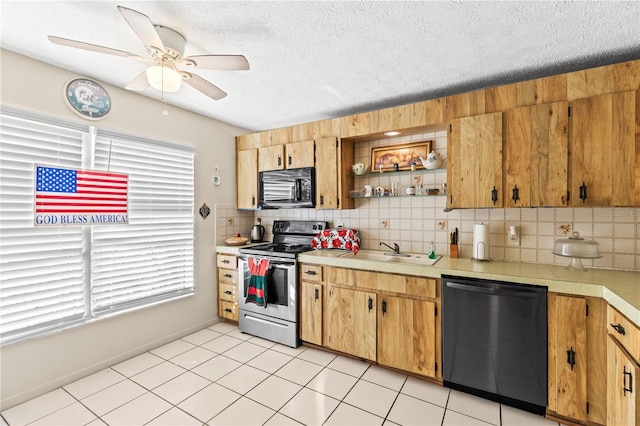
(302, 132)
(465, 104)
(474, 174)
(605, 150)
(542, 90)
(282, 136)
(250, 141)
(428, 113)
(299, 154)
(247, 179)
(621, 77)
(395, 118)
(536, 156)
(327, 177)
(271, 158)
(359, 124)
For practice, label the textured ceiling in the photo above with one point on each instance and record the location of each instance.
(312, 60)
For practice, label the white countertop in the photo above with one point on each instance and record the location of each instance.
(621, 289)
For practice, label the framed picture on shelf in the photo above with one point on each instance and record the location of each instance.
(399, 157)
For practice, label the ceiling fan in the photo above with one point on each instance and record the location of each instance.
(166, 49)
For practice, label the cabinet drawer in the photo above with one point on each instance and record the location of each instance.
(311, 273)
(228, 310)
(227, 292)
(624, 331)
(228, 276)
(227, 261)
(400, 284)
(341, 276)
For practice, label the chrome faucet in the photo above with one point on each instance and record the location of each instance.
(395, 248)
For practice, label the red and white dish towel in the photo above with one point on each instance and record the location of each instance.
(347, 239)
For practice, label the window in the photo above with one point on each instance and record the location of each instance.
(56, 277)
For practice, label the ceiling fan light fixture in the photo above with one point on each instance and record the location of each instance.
(164, 78)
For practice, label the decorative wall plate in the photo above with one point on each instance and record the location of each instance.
(87, 98)
(204, 211)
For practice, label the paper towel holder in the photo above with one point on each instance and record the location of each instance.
(481, 247)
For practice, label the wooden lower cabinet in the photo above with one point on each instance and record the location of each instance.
(623, 360)
(227, 286)
(623, 397)
(351, 322)
(577, 358)
(385, 318)
(407, 334)
(311, 307)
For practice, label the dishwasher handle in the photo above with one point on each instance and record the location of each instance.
(497, 290)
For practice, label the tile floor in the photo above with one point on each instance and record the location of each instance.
(219, 376)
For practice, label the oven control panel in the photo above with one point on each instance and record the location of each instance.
(298, 227)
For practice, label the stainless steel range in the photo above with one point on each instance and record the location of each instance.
(275, 264)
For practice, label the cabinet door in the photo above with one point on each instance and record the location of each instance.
(247, 179)
(351, 322)
(299, 154)
(537, 156)
(475, 162)
(327, 173)
(271, 158)
(622, 383)
(407, 334)
(605, 170)
(568, 356)
(311, 312)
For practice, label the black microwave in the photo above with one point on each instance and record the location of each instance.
(285, 189)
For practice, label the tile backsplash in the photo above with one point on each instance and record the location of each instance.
(415, 221)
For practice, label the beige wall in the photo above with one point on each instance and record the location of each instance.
(39, 365)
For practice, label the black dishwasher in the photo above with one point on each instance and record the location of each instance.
(494, 341)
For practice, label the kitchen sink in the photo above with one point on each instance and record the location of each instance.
(402, 258)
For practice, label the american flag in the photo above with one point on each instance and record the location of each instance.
(72, 191)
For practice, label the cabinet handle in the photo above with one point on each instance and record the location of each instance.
(226, 261)
(228, 310)
(626, 389)
(370, 304)
(494, 195)
(316, 293)
(322, 200)
(515, 196)
(384, 307)
(571, 357)
(289, 160)
(310, 272)
(228, 292)
(253, 200)
(228, 275)
(583, 192)
(619, 328)
(279, 161)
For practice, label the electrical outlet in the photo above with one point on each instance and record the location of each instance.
(384, 223)
(417, 179)
(513, 236)
(229, 221)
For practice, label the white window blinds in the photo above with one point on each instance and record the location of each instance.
(150, 259)
(54, 277)
(42, 272)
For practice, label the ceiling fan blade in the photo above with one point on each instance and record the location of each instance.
(139, 83)
(143, 27)
(199, 83)
(217, 62)
(92, 47)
